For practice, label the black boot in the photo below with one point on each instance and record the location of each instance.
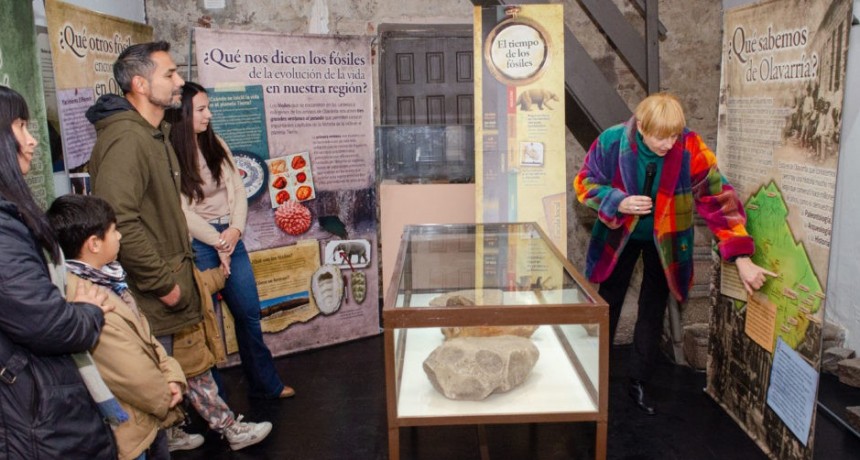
(637, 392)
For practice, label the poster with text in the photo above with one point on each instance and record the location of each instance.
(520, 123)
(43, 45)
(783, 77)
(19, 70)
(84, 47)
(297, 113)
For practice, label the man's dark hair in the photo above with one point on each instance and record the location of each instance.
(136, 60)
(75, 218)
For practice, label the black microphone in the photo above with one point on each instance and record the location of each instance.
(650, 172)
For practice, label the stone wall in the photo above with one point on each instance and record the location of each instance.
(690, 67)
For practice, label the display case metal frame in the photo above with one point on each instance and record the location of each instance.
(396, 317)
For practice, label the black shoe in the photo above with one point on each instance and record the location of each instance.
(637, 392)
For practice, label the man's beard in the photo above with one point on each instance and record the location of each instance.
(170, 103)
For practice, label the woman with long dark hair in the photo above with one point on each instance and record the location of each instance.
(216, 206)
(46, 410)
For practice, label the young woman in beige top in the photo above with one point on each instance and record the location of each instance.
(216, 205)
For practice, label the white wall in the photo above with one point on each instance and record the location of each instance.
(843, 302)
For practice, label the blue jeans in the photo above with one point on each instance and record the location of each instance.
(240, 293)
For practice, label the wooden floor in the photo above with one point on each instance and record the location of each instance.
(339, 413)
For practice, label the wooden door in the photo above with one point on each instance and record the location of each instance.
(426, 75)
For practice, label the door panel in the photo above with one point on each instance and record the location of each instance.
(427, 76)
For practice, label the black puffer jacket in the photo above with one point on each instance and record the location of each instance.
(46, 411)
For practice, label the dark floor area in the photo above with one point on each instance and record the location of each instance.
(339, 413)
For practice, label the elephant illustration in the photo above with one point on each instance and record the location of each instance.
(536, 96)
(346, 250)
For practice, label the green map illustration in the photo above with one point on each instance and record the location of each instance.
(796, 292)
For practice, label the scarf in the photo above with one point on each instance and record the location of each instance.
(113, 277)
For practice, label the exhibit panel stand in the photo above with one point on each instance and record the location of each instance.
(766, 349)
(477, 281)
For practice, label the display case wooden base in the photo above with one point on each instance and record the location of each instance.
(497, 275)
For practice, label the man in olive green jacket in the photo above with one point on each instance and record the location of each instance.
(134, 168)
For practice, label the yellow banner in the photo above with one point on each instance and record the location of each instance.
(519, 117)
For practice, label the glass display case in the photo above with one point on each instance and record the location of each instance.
(484, 278)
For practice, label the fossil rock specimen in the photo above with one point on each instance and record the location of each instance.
(472, 368)
(467, 298)
(488, 331)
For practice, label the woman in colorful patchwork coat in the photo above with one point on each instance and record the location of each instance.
(655, 142)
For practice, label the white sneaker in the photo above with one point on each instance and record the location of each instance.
(243, 434)
(177, 439)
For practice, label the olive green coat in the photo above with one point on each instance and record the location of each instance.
(133, 167)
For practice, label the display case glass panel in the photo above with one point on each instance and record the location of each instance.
(507, 264)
